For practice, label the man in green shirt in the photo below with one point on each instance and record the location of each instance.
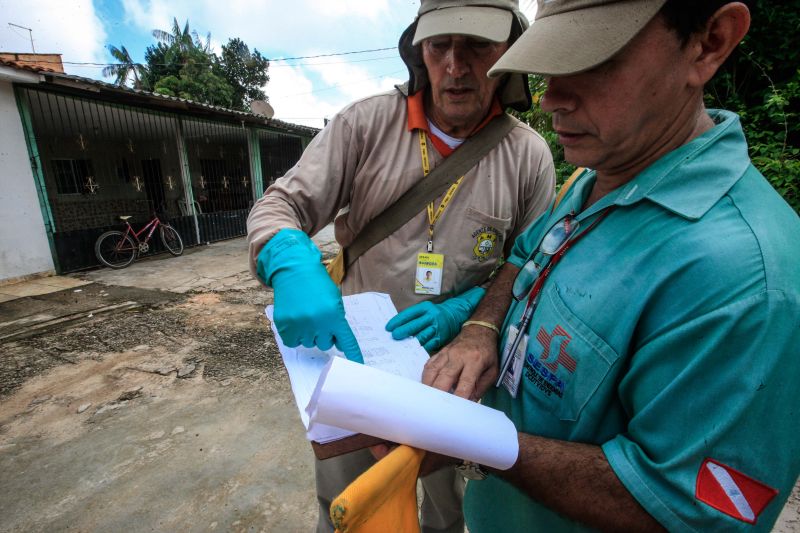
(654, 384)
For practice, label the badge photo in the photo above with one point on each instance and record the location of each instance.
(428, 277)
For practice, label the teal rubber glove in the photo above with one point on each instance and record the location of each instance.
(435, 325)
(308, 305)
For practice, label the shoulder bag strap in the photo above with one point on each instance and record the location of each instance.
(431, 187)
(567, 184)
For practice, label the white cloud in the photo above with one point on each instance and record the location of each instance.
(149, 15)
(273, 24)
(68, 28)
(296, 98)
(356, 81)
(291, 94)
(306, 93)
(344, 8)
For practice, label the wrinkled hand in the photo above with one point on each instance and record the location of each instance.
(468, 366)
(308, 305)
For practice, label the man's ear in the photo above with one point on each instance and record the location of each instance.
(712, 46)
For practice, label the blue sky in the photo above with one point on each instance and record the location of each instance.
(301, 91)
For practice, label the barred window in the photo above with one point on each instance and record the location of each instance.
(71, 174)
(124, 170)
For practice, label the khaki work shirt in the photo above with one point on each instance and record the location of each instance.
(365, 159)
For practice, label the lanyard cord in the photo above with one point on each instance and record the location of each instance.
(527, 314)
(433, 216)
(537, 286)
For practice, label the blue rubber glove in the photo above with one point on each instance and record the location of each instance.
(434, 325)
(308, 305)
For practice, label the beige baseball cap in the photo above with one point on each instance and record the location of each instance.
(485, 19)
(571, 36)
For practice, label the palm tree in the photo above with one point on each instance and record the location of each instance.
(206, 48)
(181, 37)
(124, 68)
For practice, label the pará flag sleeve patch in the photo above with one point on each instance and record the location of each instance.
(732, 492)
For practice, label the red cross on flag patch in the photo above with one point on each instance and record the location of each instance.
(732, 492)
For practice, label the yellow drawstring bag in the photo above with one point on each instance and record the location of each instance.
(384, 498)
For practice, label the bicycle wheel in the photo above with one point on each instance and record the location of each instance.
(171, 239)
(115, 249)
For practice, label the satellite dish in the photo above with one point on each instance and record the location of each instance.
(261, 107)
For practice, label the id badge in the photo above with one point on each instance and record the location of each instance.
(513, 375)
(428, 279)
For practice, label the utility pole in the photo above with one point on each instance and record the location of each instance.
(30, 32)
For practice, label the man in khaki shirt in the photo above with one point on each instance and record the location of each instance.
(372, 152)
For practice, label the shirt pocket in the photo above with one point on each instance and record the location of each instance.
(566, 362)
(480, 240)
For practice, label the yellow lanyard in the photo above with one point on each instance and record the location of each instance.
(433, 216)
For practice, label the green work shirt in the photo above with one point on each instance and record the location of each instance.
(669, 335)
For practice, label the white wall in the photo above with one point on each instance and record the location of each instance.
(24, 249)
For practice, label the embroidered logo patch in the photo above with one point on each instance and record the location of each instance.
(554, 351)
(731, 492)
(543, 369)
(485, 240)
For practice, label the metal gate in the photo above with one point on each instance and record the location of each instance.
(278, 154)
(95, 161)
(219, 165)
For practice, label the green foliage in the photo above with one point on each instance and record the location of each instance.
(179, 38)
(246, 72)
(161, 61)
(761, 82)
(540, 121)
(198, 80)
(180, 64)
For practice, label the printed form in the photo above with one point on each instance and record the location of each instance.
(367, 313)
(384, 397)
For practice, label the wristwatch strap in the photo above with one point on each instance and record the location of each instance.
(472, 471)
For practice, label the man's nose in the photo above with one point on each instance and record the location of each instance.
(557, 97)
(457, 61)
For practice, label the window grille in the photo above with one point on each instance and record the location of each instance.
(71, 175)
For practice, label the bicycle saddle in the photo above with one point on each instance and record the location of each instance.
(125, 217)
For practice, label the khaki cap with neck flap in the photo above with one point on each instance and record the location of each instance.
(493, 20)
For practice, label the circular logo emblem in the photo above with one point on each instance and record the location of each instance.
(485, 240)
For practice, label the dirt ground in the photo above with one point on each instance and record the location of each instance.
(174, 414)
(133, 409)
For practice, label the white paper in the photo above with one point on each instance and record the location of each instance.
(366, 400)
(367, 313)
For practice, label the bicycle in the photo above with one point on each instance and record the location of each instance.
(118, 249)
